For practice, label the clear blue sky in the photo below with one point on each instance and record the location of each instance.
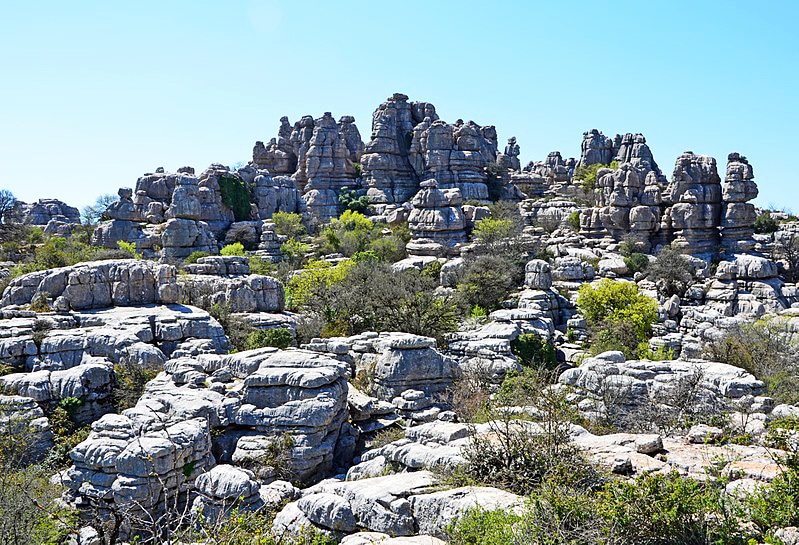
(94, 93)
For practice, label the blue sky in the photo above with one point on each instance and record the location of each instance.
(93, 94)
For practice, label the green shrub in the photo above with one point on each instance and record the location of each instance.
(671, 270)
(235, 249)
(352, 232)
(358, 169)
(259, 265)
(194, 256)
(289, 224)
(766, 348)
(574, 220)
(765, 224)
(617, 301)
(490, 230)
(235, 195)
(618, 316)
(294, 252)
(636, 262)
(486, 281)
(351, 200)
(666, 509)
(279, 338)
(129, 248)
(534, 351)
(131, 379)
(478, 312)
(587, 174)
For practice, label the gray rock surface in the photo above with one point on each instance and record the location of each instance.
(97, 284)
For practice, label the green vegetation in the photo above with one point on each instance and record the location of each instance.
(671, 270)
(235, 195)
(618, 316)
(353, 200)
(636, 262)
(194, 256)
(364, 293)
(574, 220)
(533, 351)
(129, 248)
(235, 249)
(765, 224)
(353, 232)
(279, 338)
(767, 349)
(289, 224)
(588, 174)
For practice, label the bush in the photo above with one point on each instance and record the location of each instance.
(294, 252)
(279, 338)
(235, 249)
(534, 351)
(235, 195)
(617, 314)
(129, 248)
(55, 252)
(131, 379)
(765, 224)
(672, 271)
(617, 301)
(354, 200)
(289, 224)
(490, 230)
(588, 174)
(486, 281)
(194, 256)
(574, 220)
(636, 262)
(666, 509)
(518, 454)
(352, 232)
(767, 349)
(365, 294)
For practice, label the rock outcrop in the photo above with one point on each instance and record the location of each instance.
(436, 222)
(738, 215)
(387, 171)
(96, 284)
(42, 213)
(184, 233)
(693, 198)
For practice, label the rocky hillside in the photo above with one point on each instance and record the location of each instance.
(413, 339)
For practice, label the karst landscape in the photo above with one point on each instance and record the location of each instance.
(396, 331)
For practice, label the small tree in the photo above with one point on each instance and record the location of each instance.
(765, 224)
(671, 270)
(93, 213)
(7, 203)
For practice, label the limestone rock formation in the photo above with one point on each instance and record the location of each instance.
(386, 170)
(452, 155)
(327, 168)
(278, 157)
(738, 216)
(352, 137)
(97, 284)
(184, 233)
(596, 148)
(694, 199)
(42, 212)
(436, 222)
